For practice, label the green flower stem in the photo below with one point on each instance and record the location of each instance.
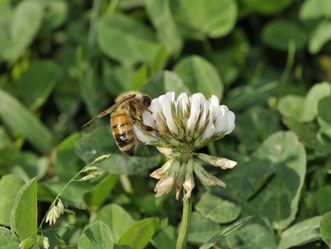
(58, 196)
(182, 235)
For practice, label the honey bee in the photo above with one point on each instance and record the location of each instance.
(126, 111)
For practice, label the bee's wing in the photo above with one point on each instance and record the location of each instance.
(110, 109)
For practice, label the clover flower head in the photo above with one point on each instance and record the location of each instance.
(178, 127)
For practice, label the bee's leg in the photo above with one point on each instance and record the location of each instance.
(146, 127)
(144, 108)
(133, 111)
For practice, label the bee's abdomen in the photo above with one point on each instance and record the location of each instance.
(123, 133)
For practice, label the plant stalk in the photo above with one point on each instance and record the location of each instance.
(58, 196)
(182, 235)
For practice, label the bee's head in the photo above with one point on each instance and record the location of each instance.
(146, 101)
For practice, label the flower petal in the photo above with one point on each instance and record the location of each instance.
(155, 107)
(143, 136)
(148, 119)
(197, 100)
(203, 117)
(161, 172)
(161, 124)
(208, 132)
(206, 178)
(167, 107)
(189, 183)
(165, 151)
(213, 107)
(180, 179)
(164, 186)
(231, 125)
(221, 121)
(221, 162)
(183, 105)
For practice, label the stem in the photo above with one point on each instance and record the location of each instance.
(289, 63)
(58, 196)
(182, 235)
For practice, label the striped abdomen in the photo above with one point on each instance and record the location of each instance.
(122, 126)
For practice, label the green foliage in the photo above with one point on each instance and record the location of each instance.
(226, 231)
(311, 9)
(9, 187)
(196, 19)
(301, 233)
(167, 33)
(323, 106)
(267, 6)
(280, 34)
(306, 109)
(20, 119)
(137, 43)
(97, 235)
(22, 26)
(8, 239)
(23, 217)
(321, 35)
(256, 235)
(279, 199)
(45, 74)
(201, 229)
(325, 228)
(200, 76)
(166, 238)
(63, 62)
(116, 218)
(163, 82)
(138, 235)
(217, 210)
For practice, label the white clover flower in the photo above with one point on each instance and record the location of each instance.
(178, 127)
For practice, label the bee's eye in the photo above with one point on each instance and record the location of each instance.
(147, 101)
